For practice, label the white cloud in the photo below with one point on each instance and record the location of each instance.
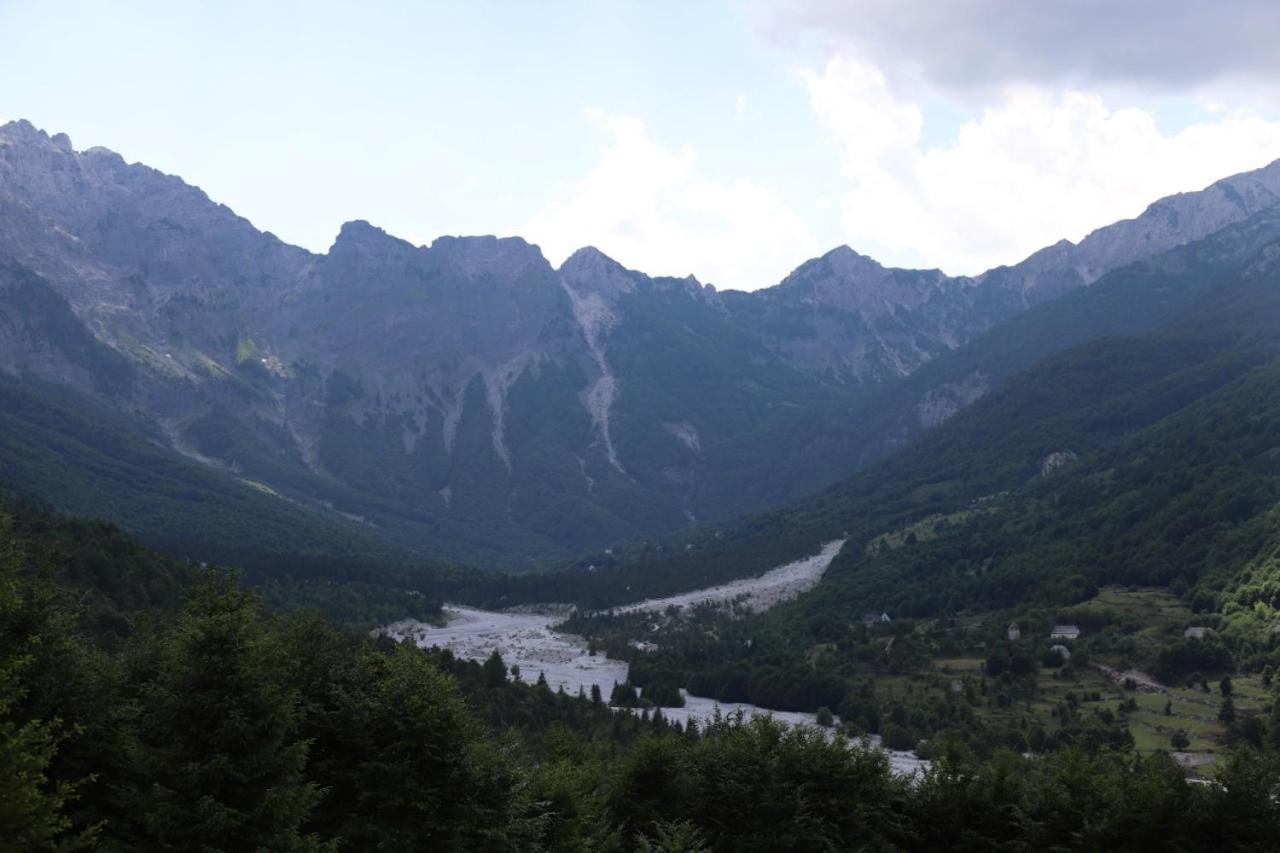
(1034, 167)
(979, 44)
(740, 107)
(648, 207)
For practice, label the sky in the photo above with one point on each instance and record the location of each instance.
(727, 139)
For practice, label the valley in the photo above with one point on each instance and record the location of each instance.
(530, 644)
(468, 550)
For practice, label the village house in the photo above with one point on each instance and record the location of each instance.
(1065, 632)
(1014, 631)
(1197, 632)
(872, 618)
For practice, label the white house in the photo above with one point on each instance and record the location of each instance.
(873, 618)
(1014, 631)
(1197, 632)
(1065, 632)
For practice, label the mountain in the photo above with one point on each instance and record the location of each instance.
(851, 320)
(466, 397)
(1127, 482)
(1144, 388)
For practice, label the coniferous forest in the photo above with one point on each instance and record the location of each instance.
(154, 705)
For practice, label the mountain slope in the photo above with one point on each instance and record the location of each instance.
(853, 321)
(1185, 329)
(469, 399)
(82, 456)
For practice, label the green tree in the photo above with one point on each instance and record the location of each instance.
(405, 763)
(673, 837)
(33, 806)
(220, 751)
(495, 670)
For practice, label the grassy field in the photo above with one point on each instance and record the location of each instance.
(1139, 606)
(1147, 616)
(923, 530)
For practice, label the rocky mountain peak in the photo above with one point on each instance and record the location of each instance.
(589, 270)
(490, 255)
(841, 269)
(21, 130)
(359, 238)
(846, 255)
(1178, 219)
(852, 282)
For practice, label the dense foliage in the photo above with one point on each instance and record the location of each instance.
(214, 726)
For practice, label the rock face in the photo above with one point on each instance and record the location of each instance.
(468, 397)
(1055, 460)
(943, 401)
(853, 321)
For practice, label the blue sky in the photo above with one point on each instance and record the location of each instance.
(731, 140)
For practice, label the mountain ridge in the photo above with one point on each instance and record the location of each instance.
(471, 384)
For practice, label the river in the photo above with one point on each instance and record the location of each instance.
(525, 639)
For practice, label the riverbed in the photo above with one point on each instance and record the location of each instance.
(525, 639)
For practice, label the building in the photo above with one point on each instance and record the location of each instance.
(1014, 631)
(873, 618)
(1197, 632)
(1065, 632)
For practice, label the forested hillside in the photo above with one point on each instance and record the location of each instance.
(1126, 485)
(197, 720)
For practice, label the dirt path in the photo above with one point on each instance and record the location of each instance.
(1144, 682)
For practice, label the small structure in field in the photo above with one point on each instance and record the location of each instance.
(1014, 632)
(1065, 632)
